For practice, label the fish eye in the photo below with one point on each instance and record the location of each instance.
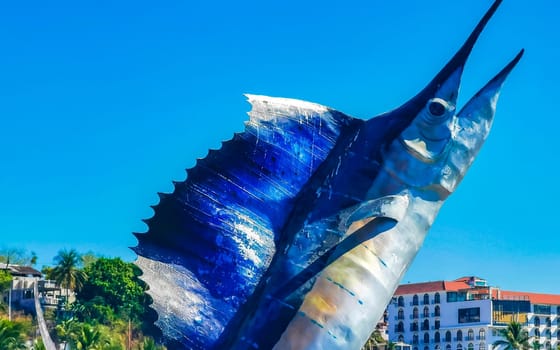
(437, 107)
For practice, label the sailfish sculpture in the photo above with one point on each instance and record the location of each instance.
(296, 233)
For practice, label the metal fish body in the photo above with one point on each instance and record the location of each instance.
(296, 233)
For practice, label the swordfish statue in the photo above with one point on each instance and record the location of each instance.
(296, 233)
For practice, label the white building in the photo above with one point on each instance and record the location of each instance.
(465, 314)
(20, 293)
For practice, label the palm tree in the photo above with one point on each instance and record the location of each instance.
(12, 335)
(65, 330)
(67, 272)
(87, 337)
(375, 339)
(150, 344)
(515, 337)
(536, 345)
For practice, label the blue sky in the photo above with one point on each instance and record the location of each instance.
(103, 103)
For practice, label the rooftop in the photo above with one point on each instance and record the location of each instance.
(470, 284)
(534, 298)
(18, 270)
(427, 287)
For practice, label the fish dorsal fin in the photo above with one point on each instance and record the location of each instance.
(211, 240)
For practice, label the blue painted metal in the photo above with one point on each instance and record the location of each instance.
(297, 231)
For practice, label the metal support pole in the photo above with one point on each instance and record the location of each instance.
(10, 301)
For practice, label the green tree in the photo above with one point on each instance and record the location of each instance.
(17, 256)
(39, 345)
(65, 330)
(67, 272)
(514, 337)
(150, 344)
(114, 283)
(84, 336)
(89, 258)
(5, 280)
(375, 339)
(12, 335)
(536, 345)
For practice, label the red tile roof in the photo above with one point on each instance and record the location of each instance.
(534, 298)
(462, 284)
(426, 287)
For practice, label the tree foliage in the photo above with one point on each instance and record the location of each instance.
(514, 337)
(13, 335)
(67, 272)
(114, 284)
(85, 336)
(5, 280)
(17, 256)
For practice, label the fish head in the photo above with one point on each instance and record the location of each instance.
(440, 144)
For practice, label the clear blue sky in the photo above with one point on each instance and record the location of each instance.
(103, 103)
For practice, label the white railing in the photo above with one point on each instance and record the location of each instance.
(45, 336)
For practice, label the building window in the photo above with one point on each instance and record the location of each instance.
(482, 346)
(437, 337)
(401, 338)
(537, 321)
(426, 299)
(426, 312)
(437, 298)
(470, 346)
(437, 311)
(414, 327)
(537, 333)
(448, 347)
(542, 309)
(469, 315)
(436, 324)
(482, 334)
(400, 327)
(426, 338)
(558, 334)
(415, 339)
(448, 336)
(426, 348)
(400, 301)
(459, 347)
(459, 335)
(415, 300)
(547, 345)
(548, 322)
(437, 347)
(547, 333)
(426, 325)
(470, 335)
(400, 314)
(28, 294)
(415, 312)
